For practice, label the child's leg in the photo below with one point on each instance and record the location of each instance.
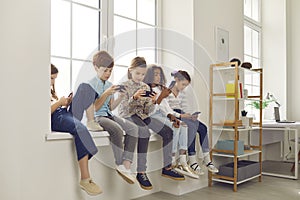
(143, 142)
(91, 124)
(84, 169)
(85, 147)
(202, 130)
(82, 100)
(115, 136)
(167, 135)
(192, 130)
(130, 140)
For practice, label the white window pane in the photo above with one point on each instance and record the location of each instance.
(119, 74)
(247, 8)
(62, 82)
(125, 59)
(255, 63)
(146, 36)
(85, 31)
(149, 55)
(255, 44)
(256, 90)
(247, 58)
(146, 11)
(122, 25)
(248, 78)
(60, 28)
(92, 3)
(82, 72)
(255, 10)
(247, 41)
(126, 8)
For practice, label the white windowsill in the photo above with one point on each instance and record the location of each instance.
(101, 138)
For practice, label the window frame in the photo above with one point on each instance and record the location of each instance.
(254, 26)
(105, 31)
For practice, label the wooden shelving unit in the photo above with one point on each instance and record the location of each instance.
(214, 125)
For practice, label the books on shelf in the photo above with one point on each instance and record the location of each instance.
(230, 89)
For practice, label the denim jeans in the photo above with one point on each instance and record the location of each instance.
(193, 128)
(83, 98)
(115, 126)
(180, 135)
(63, 121)
(144, 134)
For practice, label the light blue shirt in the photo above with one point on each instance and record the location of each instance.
(100, 86)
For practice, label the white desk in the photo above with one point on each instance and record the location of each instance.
(285, 128)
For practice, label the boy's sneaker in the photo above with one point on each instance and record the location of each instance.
(171, 173)
(210, 166)
(90, 187)
(197, 169)
(94, 126)
(186, 170)
(144, 181)
(126, 174)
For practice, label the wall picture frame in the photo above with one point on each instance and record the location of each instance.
(222, 44)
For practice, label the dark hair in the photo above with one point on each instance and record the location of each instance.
(103, 59)
(54, 70)
(235, 60)
(136, 62)
(149, 77)
(181, 75)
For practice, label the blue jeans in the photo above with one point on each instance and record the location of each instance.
(180, 135)
(83, 98)
(193, 128)
(63, 121)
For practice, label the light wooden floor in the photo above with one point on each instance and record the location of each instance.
(272, 188)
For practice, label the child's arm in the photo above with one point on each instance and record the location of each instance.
(63, 101)
(114, 103)
(101, 100)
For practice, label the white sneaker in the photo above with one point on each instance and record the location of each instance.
(94, 126)
(210, 166)
(197, 169)
(186, 170)
(126, 174)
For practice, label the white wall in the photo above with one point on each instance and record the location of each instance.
(25, 100)
(274, 50)
(30, 167)
(224, 14)
(293, 51)
(208, 15)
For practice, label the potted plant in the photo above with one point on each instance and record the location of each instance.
(256, 105)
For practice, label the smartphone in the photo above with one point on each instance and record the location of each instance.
(71, 93)
(196, 113)
(148, 93)
(172, 84)
(121, 88)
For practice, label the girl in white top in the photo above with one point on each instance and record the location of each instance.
(155, 78)
(178, 100)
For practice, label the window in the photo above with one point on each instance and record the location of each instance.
(78, 27)
(138, 23)
(252, 43)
